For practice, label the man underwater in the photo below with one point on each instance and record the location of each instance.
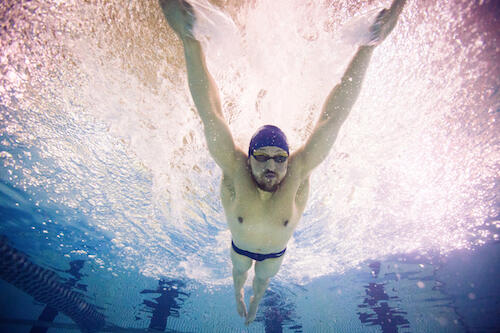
(264, 192)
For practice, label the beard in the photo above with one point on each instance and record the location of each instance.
(265, 185)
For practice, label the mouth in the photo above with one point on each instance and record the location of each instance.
(269, 174)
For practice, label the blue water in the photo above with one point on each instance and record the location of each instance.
(403, 293)
(109, 201)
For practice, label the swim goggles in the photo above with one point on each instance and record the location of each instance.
(261, 157)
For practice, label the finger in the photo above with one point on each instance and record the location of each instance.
(163, 4)
(377, 24)
(380, 15)
(397, 6)
(168, 5)
(188, 8)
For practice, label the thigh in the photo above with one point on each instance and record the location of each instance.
(268, 268)
(240, 263)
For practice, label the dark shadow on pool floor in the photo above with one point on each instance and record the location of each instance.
(382, 314)
(167, 304)
(464, 282)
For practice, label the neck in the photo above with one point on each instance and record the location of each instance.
(264, 195)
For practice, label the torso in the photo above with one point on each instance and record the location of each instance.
(263, 225)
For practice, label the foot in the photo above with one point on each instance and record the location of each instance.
(252, 311)
(240, 305)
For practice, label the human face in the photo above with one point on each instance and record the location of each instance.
(268, 173)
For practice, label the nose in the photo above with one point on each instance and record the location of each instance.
(271, 164)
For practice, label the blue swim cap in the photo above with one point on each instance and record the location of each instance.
(268, 135)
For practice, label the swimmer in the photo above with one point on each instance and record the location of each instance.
(264, 192)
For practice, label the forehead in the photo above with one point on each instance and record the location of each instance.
(271, 150)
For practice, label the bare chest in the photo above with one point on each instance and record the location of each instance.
(261, 224)
(273, 214)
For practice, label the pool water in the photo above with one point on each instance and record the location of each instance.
(110, 214)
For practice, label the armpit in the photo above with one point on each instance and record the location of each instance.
(228, 191)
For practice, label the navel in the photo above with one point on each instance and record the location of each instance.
(285, 223)
(240, 219)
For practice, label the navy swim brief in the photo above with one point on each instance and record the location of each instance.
(256, 256)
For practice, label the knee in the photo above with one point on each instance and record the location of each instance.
(264, 276)
(260, 284)
(262, 280)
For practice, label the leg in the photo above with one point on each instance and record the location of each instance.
(264, 271)
(241, 265)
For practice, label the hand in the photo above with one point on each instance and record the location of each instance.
(385, 22)
(180, 16)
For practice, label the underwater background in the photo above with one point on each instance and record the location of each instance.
(110, 217)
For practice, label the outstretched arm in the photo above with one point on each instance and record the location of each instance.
(180, 16)
(343, 96)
